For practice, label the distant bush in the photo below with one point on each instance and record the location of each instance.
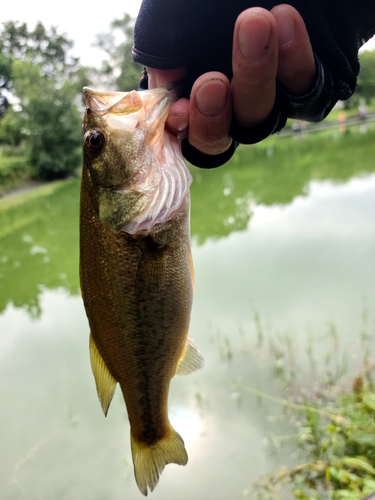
(13, 171)
(55, 137)
(12, 128)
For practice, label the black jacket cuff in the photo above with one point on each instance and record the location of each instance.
(201, 160)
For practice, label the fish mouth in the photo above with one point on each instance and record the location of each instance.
(104, 102)
(126, 103)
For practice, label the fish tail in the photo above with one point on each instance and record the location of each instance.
(150, 460)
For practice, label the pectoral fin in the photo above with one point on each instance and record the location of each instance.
(190, 361)
(105, 383)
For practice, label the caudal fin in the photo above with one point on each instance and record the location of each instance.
(149, 461)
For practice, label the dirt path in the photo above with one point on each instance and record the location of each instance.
(22, 189)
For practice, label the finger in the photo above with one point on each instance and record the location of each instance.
(178, 119)
(210, 113)
(162, 77)
(255, 57)
(296, 69)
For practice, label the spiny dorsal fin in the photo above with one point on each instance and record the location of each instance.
(190, 361)
(105, 383)
(150, 460)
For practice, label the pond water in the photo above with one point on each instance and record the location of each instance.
(283, 242)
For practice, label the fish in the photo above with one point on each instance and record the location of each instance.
(136, 269)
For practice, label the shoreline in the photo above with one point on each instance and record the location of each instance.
(23, 188)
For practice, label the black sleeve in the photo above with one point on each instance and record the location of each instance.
(198, 34)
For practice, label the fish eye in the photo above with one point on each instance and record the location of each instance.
(94, 141)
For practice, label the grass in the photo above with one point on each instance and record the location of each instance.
(335, 435)
(327, 409)
(333, 422)
(338, 444)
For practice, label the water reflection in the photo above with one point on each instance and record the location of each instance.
(298, 265)
(189, 423)
(282, 234)
(273, 173)
(39, 246)
(59, 445)
(39, 238)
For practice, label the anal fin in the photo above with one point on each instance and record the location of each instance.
(105, 383)
(190, 361)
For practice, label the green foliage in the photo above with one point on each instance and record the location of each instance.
(55, 149)
(326, 417)
(274, 172)
(5, 71)
(12, 128)
(365, 89)
(55, 136)
(51, 122)
(14, 168)
(5, 75)
(335, 436)
(41, 46)
(119, 71)
(45, 83)
(39, 244)
(340, 452)
(366, 79)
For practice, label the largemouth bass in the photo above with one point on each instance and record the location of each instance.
(136, 267)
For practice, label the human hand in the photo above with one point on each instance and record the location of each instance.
(267, 46)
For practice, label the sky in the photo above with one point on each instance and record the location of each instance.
(79, 19)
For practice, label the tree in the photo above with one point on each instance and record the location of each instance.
(366, 79)
(46, 48)
(44, 83)
(51, 121)
(12, 128)
(5, 79)
(365, 89)
(119, 70)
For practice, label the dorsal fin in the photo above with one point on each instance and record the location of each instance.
(105, 383)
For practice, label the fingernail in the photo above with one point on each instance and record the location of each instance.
(285, 27)
(178, 122)
(211, 97)
(254, 34)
